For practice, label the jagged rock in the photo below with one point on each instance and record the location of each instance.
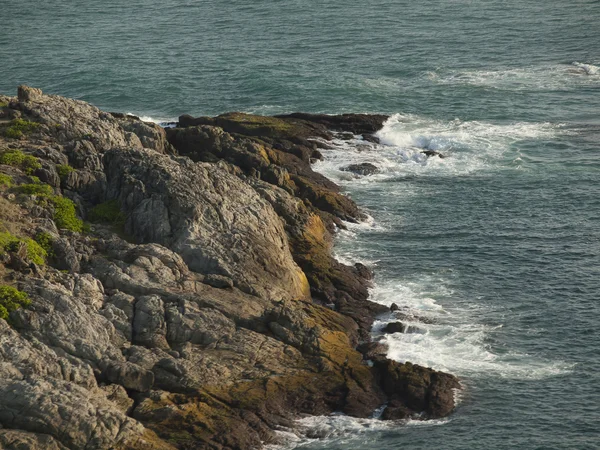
(218, 281)
(395, 327)
(362, 169)
(218, 224)
(418, 388)
(149, 326)
(354, 123)
(118, 396)
(151, 135)
(373, 350)
(75, 121)
(396, 410)
(430, 153)
(203, 318)
(20, 358)
(22, 440)
(187, 322)
(59, 319)
(129, 375)
(66, 411)
(64, 255)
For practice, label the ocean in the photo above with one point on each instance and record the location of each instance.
(492, 253)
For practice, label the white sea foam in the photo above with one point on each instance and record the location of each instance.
(589, 69)
(166, 121)
(470, 146)
(336, 428)
(450, 338)
(543, 77)
(444, 331)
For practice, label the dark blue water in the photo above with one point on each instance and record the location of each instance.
(493, 252)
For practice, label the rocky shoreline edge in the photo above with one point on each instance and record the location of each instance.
(175, 288)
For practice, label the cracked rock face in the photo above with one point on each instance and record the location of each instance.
(197, 321)
(218, 224)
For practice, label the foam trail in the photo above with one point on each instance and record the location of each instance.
(543, 77)
(589, 69)
(472, 146)
(336, 428)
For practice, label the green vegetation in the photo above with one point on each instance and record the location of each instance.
(42, 190)
(63, 171)
(35, 252)
(253, 125)
(3, 104)
(19, 128)
(12, 299)
(17, 158)
(45, 241)
(65, 215)
(108, 212)
(5, 180)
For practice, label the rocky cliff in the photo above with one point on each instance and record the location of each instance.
(174, 288)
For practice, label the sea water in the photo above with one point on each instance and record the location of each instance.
(492, 254)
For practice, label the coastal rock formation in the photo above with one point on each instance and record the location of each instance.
(201, 307)
(362, 169)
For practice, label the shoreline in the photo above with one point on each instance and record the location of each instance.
(203, 307)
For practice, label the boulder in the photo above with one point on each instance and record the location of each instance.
(430, 153)
(395, 327)
(361, 169)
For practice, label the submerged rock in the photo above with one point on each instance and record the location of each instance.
(395, 327)
(361, 169)
(430, 153)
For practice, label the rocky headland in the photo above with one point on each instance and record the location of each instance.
(175, 288)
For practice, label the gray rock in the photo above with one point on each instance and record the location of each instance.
(362, 169)
(218, 224)
(129, 375)
(149, 326)
(394, 327)
(190, 323)
(74, 120)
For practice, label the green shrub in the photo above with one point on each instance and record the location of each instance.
(3, 104)
(35, 252)
(65, 215)
(12, 299)
(108, 212)
(45, 241)
(63, 171)
(17, 158)
(42, 190)
(5, 180)
(19, 128)
(8, 242)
